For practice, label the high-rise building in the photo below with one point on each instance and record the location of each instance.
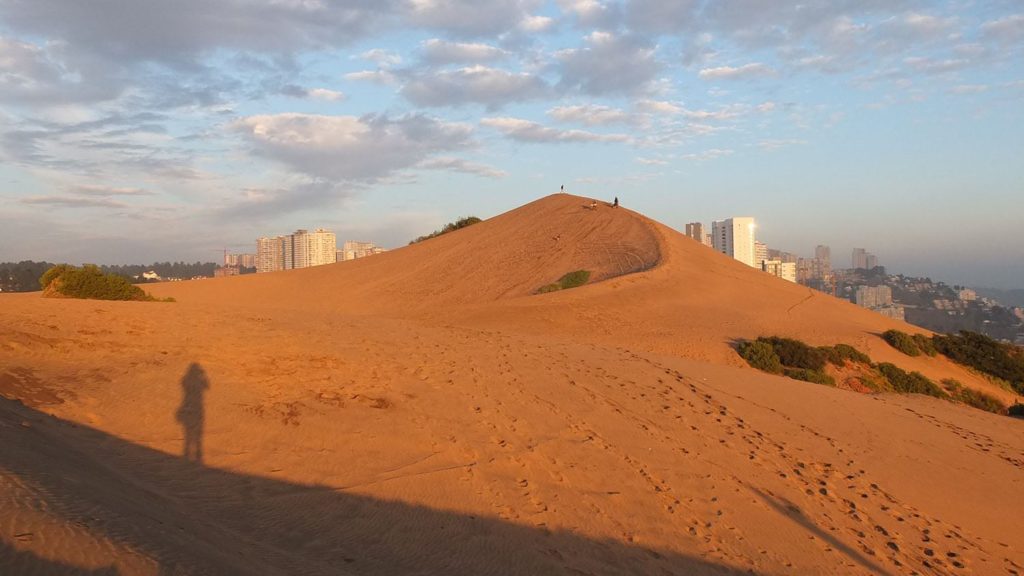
(299, 250)
(784, 270)
(351, 250)
(864, 259)
(735, 237)
(695, 230)
(270, 254)
(760, 252)
(859, 258)
(873, 296)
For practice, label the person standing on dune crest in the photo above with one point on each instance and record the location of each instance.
(616, 203)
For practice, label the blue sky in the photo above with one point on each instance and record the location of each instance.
(142, 130)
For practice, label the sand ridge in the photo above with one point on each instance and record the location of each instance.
(480, 429)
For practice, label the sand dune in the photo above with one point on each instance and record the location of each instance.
(424, 412)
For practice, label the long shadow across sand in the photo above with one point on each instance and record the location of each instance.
(198, 520)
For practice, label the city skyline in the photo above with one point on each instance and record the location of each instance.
(887, 126)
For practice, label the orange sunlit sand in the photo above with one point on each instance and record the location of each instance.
(424, 411)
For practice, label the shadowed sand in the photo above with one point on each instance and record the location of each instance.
(423, 411)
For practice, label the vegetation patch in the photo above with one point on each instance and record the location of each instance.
(1017, 410)
(839, 354)
(808, 375)
(903, 342)
(910, 382)
(570, 280)
(979, 400)
(450, 227)
(987, 355)
(67, 281)
(761, 355)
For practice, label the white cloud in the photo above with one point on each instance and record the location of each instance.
(591, 115)
(382, 57)
(460, 165)
(609, 64)
(752, 70)
(659, 107)
(710, 154)
(1007, 30)
(349, 148)
(527, 131)
(535, 24)
(325, 94)
(491, 87)
(383, 77)
(437, 51)
(775, 144)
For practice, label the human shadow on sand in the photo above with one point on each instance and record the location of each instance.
(191, 413)
(193, 519)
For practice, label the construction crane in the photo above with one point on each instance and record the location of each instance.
(225, 250)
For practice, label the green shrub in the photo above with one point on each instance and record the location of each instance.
(796, 354)
(925, 344)
(570, 280)
(909, 383)
(1017, 410)
(53, 273)
(1003, 361)
(815, 376)
(574, 279)
(450, 227)
(840, 353)
(973, 398)
(90, 282)
(760, 355)
(902, 341)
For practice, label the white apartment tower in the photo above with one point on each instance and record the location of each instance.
(735, 237)
(299, 250)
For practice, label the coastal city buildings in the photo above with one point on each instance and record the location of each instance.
(760, 253)
(878, 299)
(735, 237)
(862, 259)
(784, 270)
(351, 250)
(695, 230)
(301, 249)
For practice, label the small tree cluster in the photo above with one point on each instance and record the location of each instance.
(974, 398)
(89, 282)
(909, 382)
(570, 280)
(449, 227)
(903, 342)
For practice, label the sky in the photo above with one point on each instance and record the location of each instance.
(133, 131)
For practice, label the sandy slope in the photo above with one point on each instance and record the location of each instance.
(422, 412)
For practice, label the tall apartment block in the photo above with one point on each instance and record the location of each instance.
(864, 259)
(351, 250)
(735, 237)
(695, 230)
(299, 250)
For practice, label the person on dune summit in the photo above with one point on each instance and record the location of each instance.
(191, 413)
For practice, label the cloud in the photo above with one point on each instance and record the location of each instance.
(73, 202)
(101, 190)
(177, 33)
(469, 18)
(746, 71)
(660, 16)
(460, 165)
(382, 57)
(527, 131)
(1007, 30)
(775, 144)
(50, 75)
(383, 77)
(313, 93)
(536, 24)
(659, 107)
(592, 115)
(349, 148)
(609, 64)
(491, 87)
(968, 89)
(437, 52)
(710, 154)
